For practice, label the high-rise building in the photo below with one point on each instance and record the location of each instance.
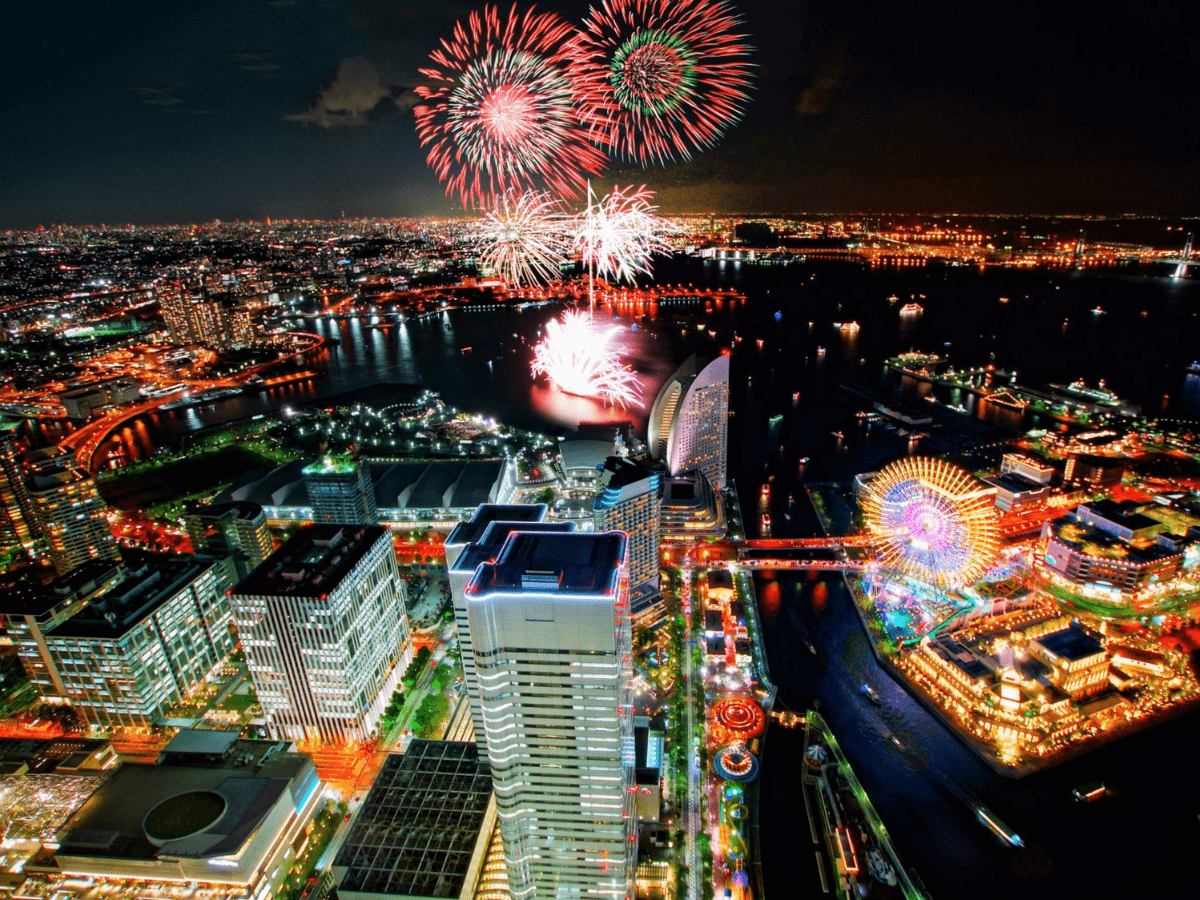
(630, 500)
(32, 609)
(468, 546)
(146, 642)
(194, 316)
(70, 513)
(689, 420)
(323, 624)
(18, 520)
(550, 625)
(340, 492)
(236, 529)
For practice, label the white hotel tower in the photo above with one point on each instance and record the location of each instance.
(549, 621)
(467, 547)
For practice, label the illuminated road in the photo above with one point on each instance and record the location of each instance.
(86, 440)
(692, 818)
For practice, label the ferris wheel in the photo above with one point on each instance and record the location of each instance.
(932, 520)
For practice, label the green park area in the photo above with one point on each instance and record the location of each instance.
(163, 489)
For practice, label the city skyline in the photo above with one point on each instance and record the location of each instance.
(303, 110)
(491, 485)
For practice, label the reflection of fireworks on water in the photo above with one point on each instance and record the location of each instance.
(933, 521)
(579, 359)
(525, 238)
(659, 78)
(500, 111)
(618, 235)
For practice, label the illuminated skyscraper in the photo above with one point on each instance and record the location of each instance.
(237, 529)
(630, 500)
(340, 492)
(18, 521)
(324, 628)
(70, 513)
(549, 620)
(689, 420)
(193, 316)
(146, 642)
(467, 547)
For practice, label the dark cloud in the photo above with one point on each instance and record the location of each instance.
(156, 94)
(261, 63)
(355, 95)
(817, 96)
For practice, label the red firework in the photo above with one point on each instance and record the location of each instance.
(658, 79)
(500, 113)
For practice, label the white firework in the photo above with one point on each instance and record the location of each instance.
(617, 235)
(577, 356)
(525, 237)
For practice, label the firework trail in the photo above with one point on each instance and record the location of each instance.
(525, 237)
(658, 79)
(577, 357)
(617, 235)
(500, 113)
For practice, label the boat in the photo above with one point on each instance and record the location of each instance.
(1090, 792)
(893, 299)
(1194, 368)
(871, 694)
(879, 867)
(992, 822)
(911, 309)
(766, 525)
(1098, 311)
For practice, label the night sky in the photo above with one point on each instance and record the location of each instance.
(152, 112)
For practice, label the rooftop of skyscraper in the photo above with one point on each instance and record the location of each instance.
(620, 472)
(493, 539)
(313, 561)
(471, 531)
(29, 596)
(155, 579)
(331, 465)
(560, 563)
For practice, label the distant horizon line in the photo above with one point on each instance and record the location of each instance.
(466, 216)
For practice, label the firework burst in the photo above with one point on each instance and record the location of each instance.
(499, 113)
(525, 237)
(658, 79)
(580, 359)
(616, 236)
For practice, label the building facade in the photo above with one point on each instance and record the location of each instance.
(1110, 551)
(630, 500)
(1027, 467)
(340, 492)
(193, 316)
(233, 529)
(146, 642)
(18, 520)
(467, 547)
(323, 624)
(32, 609)
(550, 625)
(688, 426)
(99, 397)
(70, 513)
